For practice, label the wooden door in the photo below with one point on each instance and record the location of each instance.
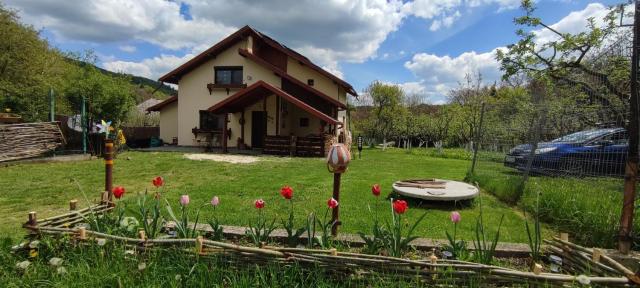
(258, 128)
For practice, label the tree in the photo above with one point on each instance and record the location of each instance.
(107, 97)
(29, 68)
(574, 61)
(387, 108)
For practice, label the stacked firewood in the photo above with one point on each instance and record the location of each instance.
(27, 140)
(329, 140)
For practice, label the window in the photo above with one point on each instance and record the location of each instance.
(229, 75)
(304, 122)
(620, 138)
(210, 121)
(310, 82)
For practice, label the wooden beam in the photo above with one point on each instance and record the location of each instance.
(242, 121)
(225, 133)
(278, 115)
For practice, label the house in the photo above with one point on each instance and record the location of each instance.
(250, 92)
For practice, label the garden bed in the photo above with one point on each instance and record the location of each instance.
(591, 265)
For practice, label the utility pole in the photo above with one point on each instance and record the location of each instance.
(52, 106)
(84, 123)
(631, 168)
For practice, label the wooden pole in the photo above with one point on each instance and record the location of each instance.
(477, 139)
(108, 169)
(33, 219)
(335, 214)
(242, 121)
(73, 205)
(225, 133)
(631, 168)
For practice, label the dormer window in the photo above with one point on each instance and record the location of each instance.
(228, 75)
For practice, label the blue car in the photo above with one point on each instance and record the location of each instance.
(589, 152)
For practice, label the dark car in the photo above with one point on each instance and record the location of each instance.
(589, 152)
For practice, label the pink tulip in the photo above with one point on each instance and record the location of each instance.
(184, 200)
(215, 201)
(455, 217)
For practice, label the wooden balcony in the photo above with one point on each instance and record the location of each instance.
(213, 86)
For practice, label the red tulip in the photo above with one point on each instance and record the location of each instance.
(286, 192)
(375, 189)
(259, 203)
(400, 206)
(118, 191)
(158, 181)
(332, 203)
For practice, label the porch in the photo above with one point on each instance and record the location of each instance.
(268, 119)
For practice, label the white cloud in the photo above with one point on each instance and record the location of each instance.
(445, 69)
(502, 4)
(439, 74)
(445, 22)
(575, 22)
(151, 68)
(128, 48)
(448, 11)
(155, 21)
(328, 32)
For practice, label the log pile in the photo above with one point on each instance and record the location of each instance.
(27, 140)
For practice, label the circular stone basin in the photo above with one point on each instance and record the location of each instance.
(448, 190)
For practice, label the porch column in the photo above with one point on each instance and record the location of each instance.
(224, 133)
(242, 128)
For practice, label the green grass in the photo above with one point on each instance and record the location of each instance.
(46, 188)
(110, 266)
(588, 208)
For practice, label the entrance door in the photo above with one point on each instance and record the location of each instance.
(258, 128)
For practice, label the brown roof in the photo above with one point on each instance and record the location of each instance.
(162, 104)
(257, 91)
(174, 76)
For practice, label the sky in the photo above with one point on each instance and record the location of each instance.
(425, 46)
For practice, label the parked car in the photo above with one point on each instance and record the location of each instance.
(589, 152)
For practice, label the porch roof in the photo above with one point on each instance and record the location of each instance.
(257, 91)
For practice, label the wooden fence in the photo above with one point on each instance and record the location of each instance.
(28, 140)
(312, 146)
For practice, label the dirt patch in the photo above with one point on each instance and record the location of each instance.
(236, 159)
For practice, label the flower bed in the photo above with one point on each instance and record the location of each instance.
(386, 248)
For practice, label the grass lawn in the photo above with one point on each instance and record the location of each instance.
(47, 188)
(588, 208)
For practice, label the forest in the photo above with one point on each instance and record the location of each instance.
(31, 70)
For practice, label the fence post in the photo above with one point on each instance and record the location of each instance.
(631, 168)
(108, 169)
(537, 91)
(477, 139)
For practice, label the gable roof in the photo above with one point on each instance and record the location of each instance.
(163, 104)
(259, 90)
(174, 76)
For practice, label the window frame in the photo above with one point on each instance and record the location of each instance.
(206, 127)
(216, 69)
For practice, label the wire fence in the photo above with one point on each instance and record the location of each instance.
(562, 154)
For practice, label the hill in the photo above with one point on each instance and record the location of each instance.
(145, 88)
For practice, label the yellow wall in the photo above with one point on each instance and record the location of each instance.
(194, 95)
(169, 122)
(321, 83)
